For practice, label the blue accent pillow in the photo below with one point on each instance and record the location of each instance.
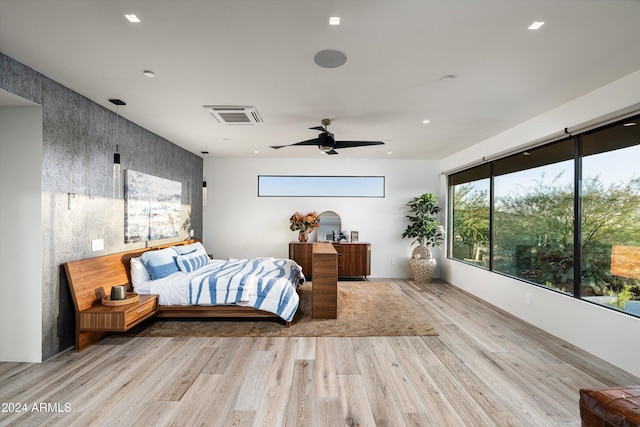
(187, 249)
(192, 261)
(160, 263)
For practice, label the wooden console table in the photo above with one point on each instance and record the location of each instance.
(324, 287)
(354, 259)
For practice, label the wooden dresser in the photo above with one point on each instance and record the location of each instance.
(354, 259)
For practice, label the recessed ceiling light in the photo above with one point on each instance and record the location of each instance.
(132, 18)
(389, 152)
(334, 20)
(256, 152)
(629, 124)
(447, 77)
(149, 73)
(424, 122)
(536, 25)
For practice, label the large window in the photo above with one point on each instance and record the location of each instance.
(610, 210)
(528, 213)
(533, 216)
(320, 186)
(470, 218)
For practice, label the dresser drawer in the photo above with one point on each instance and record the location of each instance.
(140, 311)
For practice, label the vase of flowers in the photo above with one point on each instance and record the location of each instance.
(304, 224)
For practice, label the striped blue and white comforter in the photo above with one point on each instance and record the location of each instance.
(267, 284)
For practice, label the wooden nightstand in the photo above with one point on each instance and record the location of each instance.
(119, 318)
(97, 320)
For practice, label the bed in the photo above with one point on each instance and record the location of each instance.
(187, 284)
(185, 276)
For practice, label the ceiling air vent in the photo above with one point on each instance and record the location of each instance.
(234, 114)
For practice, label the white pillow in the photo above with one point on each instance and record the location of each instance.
(160, 263)
(139, 273)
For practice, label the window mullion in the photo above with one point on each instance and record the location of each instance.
(577, 219)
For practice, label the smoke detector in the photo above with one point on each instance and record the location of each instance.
(234, 114)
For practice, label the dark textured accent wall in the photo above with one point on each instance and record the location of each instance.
(79, 139)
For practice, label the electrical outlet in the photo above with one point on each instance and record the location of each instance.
(527, 298)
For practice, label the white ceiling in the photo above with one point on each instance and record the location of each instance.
(260, 53)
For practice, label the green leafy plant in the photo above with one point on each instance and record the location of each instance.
(423, 226)
(623, 297)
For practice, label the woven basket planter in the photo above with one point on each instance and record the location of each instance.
(422, 264)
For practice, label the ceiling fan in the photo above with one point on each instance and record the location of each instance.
(327, 142)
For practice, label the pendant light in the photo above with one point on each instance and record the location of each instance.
(116, 155)
(116, 173)
(204, 192)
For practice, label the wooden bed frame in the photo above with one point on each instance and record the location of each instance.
(91, 279)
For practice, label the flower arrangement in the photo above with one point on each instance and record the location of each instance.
(310, 221)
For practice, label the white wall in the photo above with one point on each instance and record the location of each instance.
(238, 224)
(605, 333)
(20, 234)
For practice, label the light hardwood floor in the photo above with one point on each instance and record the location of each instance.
(486, 368)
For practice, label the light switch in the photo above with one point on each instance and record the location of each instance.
(97, 245)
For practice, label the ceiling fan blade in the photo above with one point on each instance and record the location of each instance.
(331, 152)
(320, 128)
(313, 141)
(349, 144)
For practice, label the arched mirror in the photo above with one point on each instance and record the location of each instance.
(329, 221)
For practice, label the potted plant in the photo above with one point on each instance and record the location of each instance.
(427, 231)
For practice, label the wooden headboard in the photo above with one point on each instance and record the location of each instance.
(92, 278)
